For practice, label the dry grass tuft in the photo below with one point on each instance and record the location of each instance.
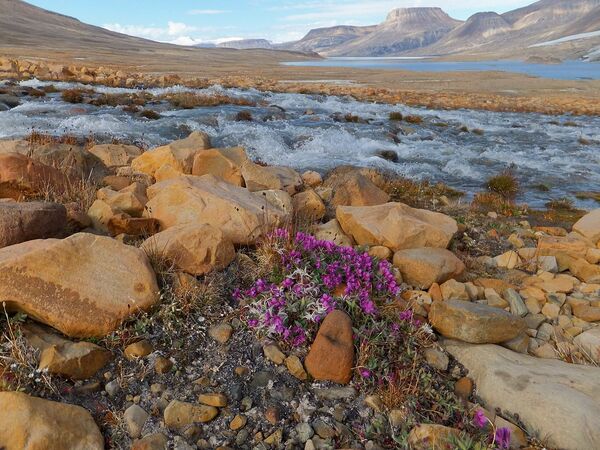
(415, 120)
(73, 95)
(396, 116)
(504, 184)
(189, 100)
(417, 193)
(491, 201)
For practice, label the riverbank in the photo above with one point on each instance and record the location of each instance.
(492, 91)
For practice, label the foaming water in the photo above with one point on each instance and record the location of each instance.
(309, 132)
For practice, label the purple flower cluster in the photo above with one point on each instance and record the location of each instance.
(313, 278)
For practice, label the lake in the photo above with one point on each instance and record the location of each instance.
(567, 70)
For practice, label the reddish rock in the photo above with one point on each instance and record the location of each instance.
(331, 355)
(21, 176)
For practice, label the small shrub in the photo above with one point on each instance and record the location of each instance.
(564, 203)
(541, 187)
(243, 116)
(37, 93)
(350, 118)
(50, 89)
(131, 108)
(478, 132)
(441, 124)
(72, 96)
(584, 141)
(396, 116)
(415, 120)
(570, 123)
(504, 184)
(464, 129)
(190, 100)
(150, 114)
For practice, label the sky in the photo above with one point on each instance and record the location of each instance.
(189, 22)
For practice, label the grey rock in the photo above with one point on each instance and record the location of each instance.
(135, 418)
(517, 305)
(305, 432)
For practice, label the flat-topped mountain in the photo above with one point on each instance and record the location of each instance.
(244, 44)
(326, 40)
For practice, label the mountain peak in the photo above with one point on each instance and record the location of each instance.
(418, 15)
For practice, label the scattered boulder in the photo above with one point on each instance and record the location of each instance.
(331, 231)
(130, 200)
(331, 356)
(589, 226)
(179, 415)
(308, 206)
(421, 267)
(84, 285)
(354, 187)
(72, 160)
(178, 154)
(396, 226)
(195, 249)
(115, 155)
(560, 401)
(261, 178)
(20, 222)
(473, 322)
(221, 162)
(34, 423)
(311, 178)
(21, 176)
(241, 215)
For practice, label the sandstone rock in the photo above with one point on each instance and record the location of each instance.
(20, 177)
(138, 349)
(220, 332)
(274, 354)
(178, 154)
(308, 206)
(380, 252)
(133, 226)
(280, 200)
(589, 342)
(260, 178)
(437, 358)
(589, 226)
(421, 267)
(560, 401)
(195, 249)
(508, 260)
(214, 399)
(241, 215)
(35, 424)
(570, 245)
(331, 355)
(294, 365)
(179, 415)
(331, 231)
(238, 422)
(84, 286)
(130, 200)
(474, 322)
(20, 222)
(351, 187)
(20, 146)
(156, 441)
(135, 418)
(397, 226)
(432, 437)
(454, 290)
(59, 356)
(221, 162)
(587, 313)
(100, 214)
(312, 178)
(72, 160)
(590, 273)
(115, 155)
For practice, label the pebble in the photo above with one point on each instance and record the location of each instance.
(238, 422)
(221, 332)
(138, 350)
(135, 418)
(437, 359)
(274, 354)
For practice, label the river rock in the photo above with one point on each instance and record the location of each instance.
(35, 424)
(331, 355)
(84, 285)
(20, 222)
(261, 178)
(396, 226)
(589, 226)
(331, 231)
(179, 415)
(473, 322)
(194, 248)
(421, 267)
(221, 162)
(354, 187)
(178, 154)
(241, 215)
(72, 160)
(115, 155)
(560, 401)
(21, 176)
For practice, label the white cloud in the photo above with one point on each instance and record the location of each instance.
(185, 40)
(207, 12)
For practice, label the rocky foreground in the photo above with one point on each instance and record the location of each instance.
(188, 297)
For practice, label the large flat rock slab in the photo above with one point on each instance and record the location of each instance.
(559, 401)
(84, 286)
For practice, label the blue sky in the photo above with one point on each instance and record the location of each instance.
(193, 21)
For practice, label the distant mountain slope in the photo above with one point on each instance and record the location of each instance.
(324, 40)
(245, 44)
(404, 29)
